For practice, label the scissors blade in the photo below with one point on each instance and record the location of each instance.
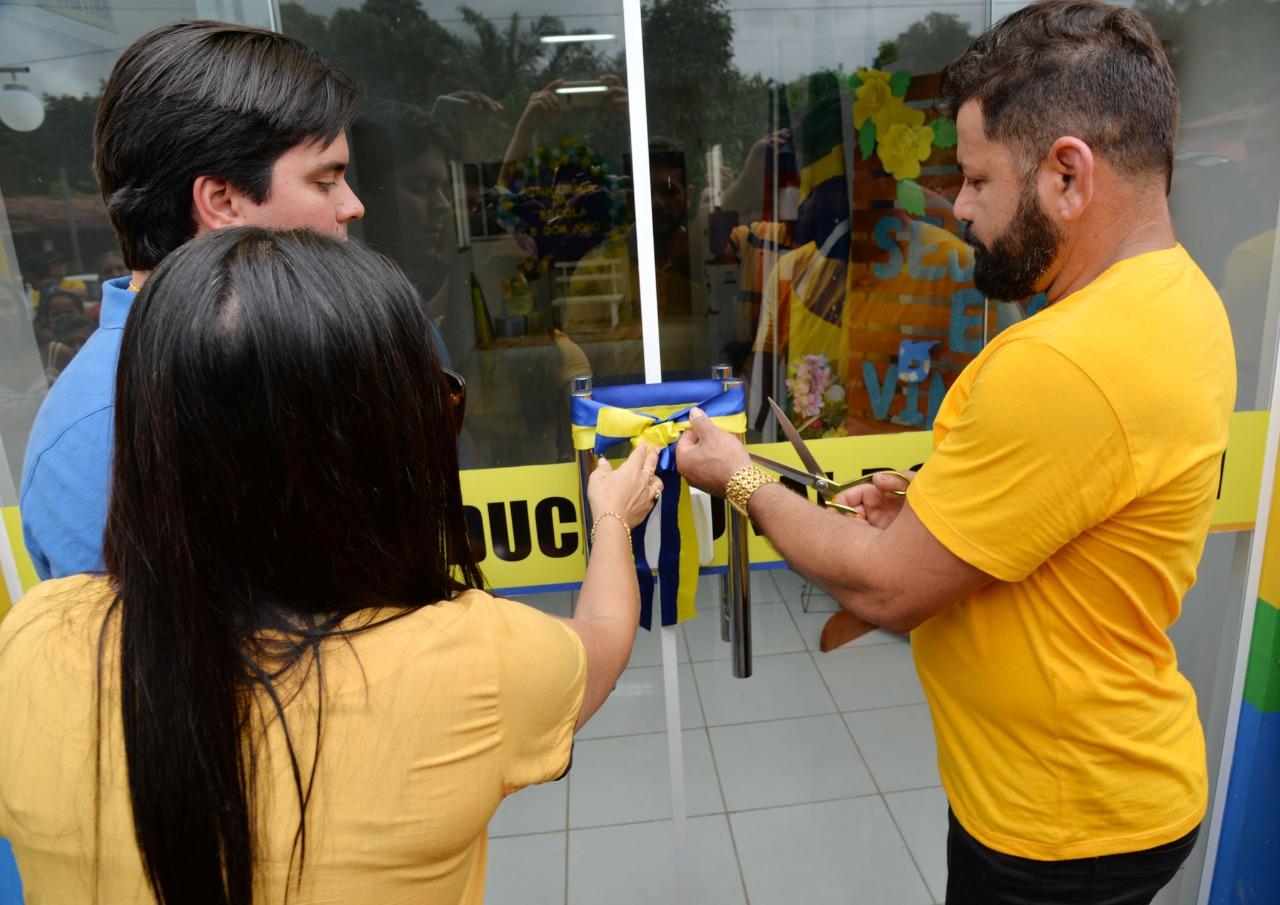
(794, 436)
(795, 474)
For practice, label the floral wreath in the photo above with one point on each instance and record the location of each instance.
(896, 133)
(538, 169)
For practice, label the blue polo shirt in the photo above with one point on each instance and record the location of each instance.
(66, 475)
(67, 469)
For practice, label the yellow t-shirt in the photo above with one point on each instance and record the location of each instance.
(1077, 460)
(429, 721)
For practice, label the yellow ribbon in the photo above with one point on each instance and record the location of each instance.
(639, 425)
(620, 422)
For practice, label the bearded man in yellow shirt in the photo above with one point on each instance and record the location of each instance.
(1043, 551)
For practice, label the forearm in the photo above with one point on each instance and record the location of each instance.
(610, 592)
(607, 613)
(834, 551)
(521, 146)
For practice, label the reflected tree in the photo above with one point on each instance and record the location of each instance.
(927, 45)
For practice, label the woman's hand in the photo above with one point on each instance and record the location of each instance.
(876, 502)
(630, 490)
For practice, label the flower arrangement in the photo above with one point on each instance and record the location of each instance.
(888, 128)
(817, 398)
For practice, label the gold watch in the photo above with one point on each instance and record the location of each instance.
(744, 482)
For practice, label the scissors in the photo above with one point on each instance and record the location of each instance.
(815, 477)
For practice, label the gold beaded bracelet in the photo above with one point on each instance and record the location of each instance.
(605, 515)
(744, 482)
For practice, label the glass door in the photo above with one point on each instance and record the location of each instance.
(778, 232)
(494, 156)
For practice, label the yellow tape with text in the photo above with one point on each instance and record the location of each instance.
(527, 525)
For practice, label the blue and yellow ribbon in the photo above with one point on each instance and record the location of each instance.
(658, 414)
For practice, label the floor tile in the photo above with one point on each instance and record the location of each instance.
(788, 762)
(921, 816)
(627, 780)
(534, 809)
(763, 588)
(781, 686)
(813, 600)
(647, 651)
(790, 585)
(873, 675)
(811, 623)
(772, 632)
(831, 853)
(898, 746)
(633, 865)
(526, 869)
(638, 705)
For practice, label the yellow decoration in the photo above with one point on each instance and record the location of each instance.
(543, 500)
(902, 148)
(895, 112)
(870, 98)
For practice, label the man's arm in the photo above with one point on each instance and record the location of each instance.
(896, 577)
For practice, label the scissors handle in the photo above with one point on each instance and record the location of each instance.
(867, 479)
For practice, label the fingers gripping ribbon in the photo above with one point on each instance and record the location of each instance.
(658, 414)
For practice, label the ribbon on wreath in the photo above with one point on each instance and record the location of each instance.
(658, 413)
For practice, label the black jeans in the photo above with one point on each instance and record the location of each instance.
(977, 875)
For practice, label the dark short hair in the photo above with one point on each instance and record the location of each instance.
(199, 98)
(45, 308)
(1072, 67)
(65, 326)
(666, 152)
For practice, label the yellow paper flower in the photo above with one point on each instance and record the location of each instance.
(868, 75)
(901, 148)
(870, 98)
(894, 112)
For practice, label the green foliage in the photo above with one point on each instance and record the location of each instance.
(1223, 51)
(911, 197)
(867, 139)
(930, 44)
(944, 132)
(31, 163)
(899, 82)
(697, 97)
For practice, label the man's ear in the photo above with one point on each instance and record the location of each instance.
(1070, 167)
(216, 204)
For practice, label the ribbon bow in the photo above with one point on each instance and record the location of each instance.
(658, 414)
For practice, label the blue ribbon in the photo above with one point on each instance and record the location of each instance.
(717, 401)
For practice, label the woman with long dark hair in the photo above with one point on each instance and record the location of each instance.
(288, 685)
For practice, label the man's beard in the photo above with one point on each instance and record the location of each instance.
(1013, 264)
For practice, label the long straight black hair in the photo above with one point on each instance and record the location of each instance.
(285, 456)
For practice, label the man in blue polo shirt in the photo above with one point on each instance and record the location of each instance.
(202, 126)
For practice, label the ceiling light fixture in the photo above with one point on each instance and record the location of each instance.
(574, 39)
(20, 110)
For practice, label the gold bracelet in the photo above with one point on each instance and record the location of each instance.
(605, 515)
(744, 482)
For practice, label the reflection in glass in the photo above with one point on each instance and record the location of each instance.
(490, 168)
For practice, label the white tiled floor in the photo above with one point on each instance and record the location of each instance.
(813, 781)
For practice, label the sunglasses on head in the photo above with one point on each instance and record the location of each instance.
(456, 389)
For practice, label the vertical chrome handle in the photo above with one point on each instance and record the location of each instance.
(586, 458)
(735, 611)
